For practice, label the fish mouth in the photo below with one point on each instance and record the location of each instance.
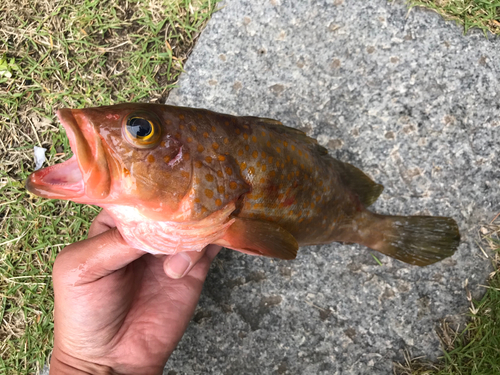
(85, 175)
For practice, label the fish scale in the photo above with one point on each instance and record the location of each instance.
(176, 179)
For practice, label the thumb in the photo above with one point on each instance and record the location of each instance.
(91, 259)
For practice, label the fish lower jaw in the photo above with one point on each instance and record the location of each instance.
(61, 181)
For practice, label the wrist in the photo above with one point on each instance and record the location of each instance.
(63, 363)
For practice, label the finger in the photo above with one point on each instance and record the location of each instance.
(94, 258)
(180, 264)
(101, 223)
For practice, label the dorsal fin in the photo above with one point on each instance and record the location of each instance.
(299, 135)
(363, 186)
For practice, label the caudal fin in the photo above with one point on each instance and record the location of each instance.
(418, 240)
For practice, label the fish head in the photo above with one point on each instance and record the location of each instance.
(123, 155)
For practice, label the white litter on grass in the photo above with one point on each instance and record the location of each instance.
(39, 156)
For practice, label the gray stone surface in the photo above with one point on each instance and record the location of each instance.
(402, 95)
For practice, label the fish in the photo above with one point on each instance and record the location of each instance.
(177, 179)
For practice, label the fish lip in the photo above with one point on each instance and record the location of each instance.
(82, 176)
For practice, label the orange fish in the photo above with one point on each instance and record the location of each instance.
(177, 179)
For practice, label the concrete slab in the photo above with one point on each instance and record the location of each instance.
(405, 97)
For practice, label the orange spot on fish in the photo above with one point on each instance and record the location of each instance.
(300, 152)
(247, 147)
(251, 170)
(318, 198)
(312, 205)
(218, 202)
(208, 159)
(197, 200)
(255, 154)
(209, 177)
(215, 146)
(229, 171)
(240, 152)
(272, 174)
(285, 143)
(243, 166)
(278, 149)
(263, 154)
(126, 172)
(282, 165)
(254, 138)
(181, 127)
(262, 180)
(257, 206)
(151, 158)
(197, 164)
(226, 141)
(213, 128)
(181, 117)
(205, 135)
(162, 144)
(189, 139)
(270, 159)
(209, 193)
(278, 163)
(294, 162)
(184, 174)
(177, 136)
(193, 128)
(268, 144)
(238, 131)
(226, 123)
(220, 174)
(200, 148)
(263, 134)
(221, 189)
(264, 167)
(186, 156)
(233, 185)
(245, 135)
(292, 147)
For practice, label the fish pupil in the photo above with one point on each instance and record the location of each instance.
(139, 127)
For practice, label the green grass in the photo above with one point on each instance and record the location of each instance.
(476, 349)
(56, 54)
(482, 14)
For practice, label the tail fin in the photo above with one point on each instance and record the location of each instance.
(418, 240)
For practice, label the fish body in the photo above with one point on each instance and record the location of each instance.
(176, 179)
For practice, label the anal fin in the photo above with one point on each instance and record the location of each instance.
(257, 237)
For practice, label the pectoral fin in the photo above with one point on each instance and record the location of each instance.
(258, 237)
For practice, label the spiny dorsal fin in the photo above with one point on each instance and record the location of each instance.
(293, 133)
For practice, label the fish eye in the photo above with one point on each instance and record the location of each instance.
(141, 129)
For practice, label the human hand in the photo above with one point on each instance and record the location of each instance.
(116, 310)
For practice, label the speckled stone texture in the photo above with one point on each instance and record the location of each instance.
(404, 96)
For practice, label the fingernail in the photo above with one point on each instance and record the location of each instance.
(178, 265)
